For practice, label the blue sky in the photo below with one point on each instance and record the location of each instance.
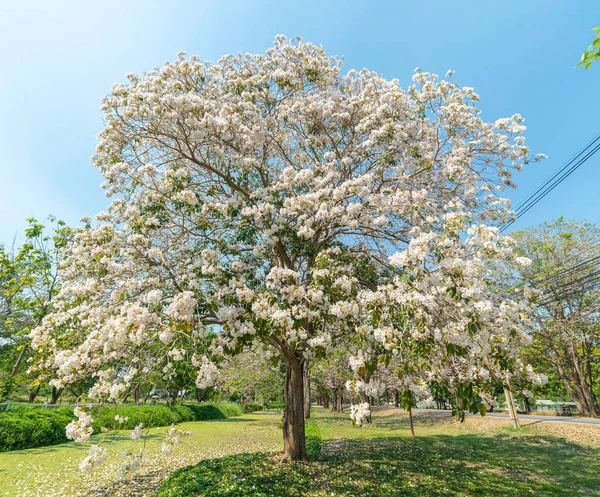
(60, 57)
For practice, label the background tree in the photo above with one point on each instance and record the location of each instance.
(566, 337)
(253, 196)
(251, 378)
(28, 282)
(330, 376)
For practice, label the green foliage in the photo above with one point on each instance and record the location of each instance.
(592, 52)
(160, 415)
(26, 427)
(28, 282)
(150, 415)
(313, 440)
(566, 338)
(249, 378)
(252, 407)
(209, 410)
(22, 428)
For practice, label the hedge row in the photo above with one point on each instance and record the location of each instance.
(23, 429)
(253, 407)
(28, 427)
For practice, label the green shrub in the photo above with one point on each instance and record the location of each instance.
(209, 410)
(150, 415)
(253, 407)
(161, 415)
(313, 440)
(26, 428)
(275, 405)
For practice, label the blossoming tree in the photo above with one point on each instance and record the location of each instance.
(273, 200)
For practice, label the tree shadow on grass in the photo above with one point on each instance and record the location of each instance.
(235, 420)
(440, 465)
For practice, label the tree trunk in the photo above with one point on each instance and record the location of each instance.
(294, 443)
(512, 411)
(365, 399)
(412, 425)
(33, 393)
(581, 393)
(397, 399)
(336, 404)
(306, 380)
(56, 392)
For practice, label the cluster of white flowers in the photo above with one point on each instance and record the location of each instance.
(130, 463)
(488, 400)
(121, 419)
(207, 373)
(136, 434)
(182, 306)
(173, 437)
(96, 456)
(359, 413)
(427, 403)
(154, 296)
(81, 429)
(535, 378)
(372, 388)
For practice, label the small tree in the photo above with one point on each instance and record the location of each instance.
(261, 199)
(566, 336)
(28, 282)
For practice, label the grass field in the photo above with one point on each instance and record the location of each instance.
(53, 471)
(480, 457)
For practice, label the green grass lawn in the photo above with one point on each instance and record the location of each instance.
(53, 471)
(482, 457)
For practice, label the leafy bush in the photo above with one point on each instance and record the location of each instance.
(209, 410)
(275, 405)
(313, 440)
(161, 415)
(25, 427)
(150, 415)
(253, 407)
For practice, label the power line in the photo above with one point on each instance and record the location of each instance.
(586, 249)
(565, 272)
(556, 179)
(587, 283)
(569, 162)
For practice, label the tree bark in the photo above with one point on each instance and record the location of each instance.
(581, 393)
(56, 392)
(512, 411)
(33, 393)
(412, 425)
(397, 399)
(306, 380)
(294, 442)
